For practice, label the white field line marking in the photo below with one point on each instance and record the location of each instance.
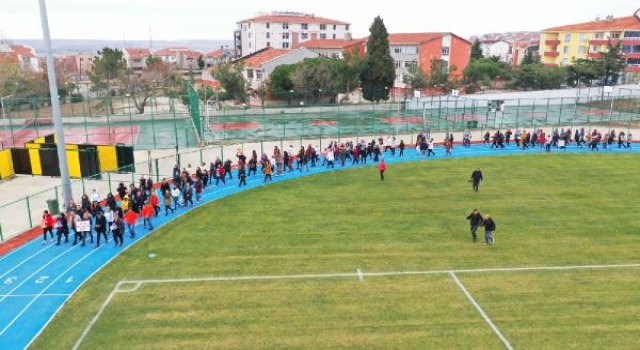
(96, 317)
(504, 340)
(25, 260)
(381, 274)
(47, 287)
(360, 276)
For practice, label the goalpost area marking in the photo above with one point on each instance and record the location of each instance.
(131, 286)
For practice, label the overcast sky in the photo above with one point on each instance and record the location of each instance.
(216, 19)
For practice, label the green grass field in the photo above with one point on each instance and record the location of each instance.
(552, 210)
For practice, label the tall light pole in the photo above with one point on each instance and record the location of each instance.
(55, 106)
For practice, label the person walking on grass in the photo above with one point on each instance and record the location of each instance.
(476, 177)
(382, 166)
(489, 229)
(475, 220)
(47, 226)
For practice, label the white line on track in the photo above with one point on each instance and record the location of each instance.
(495, 329)
(47, 287)
(33, 295)
(25, 261)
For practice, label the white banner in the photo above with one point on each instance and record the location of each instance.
(83, 226)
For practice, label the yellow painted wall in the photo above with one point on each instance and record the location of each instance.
(73, 160)
(39, 140)
(36, 165)
(32, 145)
(108, 158)
(68, 147)
(6, 164)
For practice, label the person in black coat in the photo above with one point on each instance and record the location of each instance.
(475, 220)
(476, 177)
(101, 227)
(489, 228)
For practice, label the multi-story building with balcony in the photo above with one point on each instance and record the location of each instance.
(561, 46)
(285, 30)
(409, 49)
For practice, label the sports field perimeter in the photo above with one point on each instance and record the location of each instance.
(344, 260)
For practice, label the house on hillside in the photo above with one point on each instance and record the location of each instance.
(24, 55)
(259, 65)
(180, 57)
(285, 30)
(136, 58)
(497, 48)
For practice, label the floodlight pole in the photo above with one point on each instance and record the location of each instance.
(55, 107)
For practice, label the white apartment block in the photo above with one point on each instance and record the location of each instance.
(498, 48)
(285, 30)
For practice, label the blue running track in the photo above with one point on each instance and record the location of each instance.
(36, 280)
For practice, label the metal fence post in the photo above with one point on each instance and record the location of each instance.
(157, 161)
(29, 212)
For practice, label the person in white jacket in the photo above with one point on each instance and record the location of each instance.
(109, 216)
(95, 196)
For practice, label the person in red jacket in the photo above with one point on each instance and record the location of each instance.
(47, 226)
(147, 213)
(382, 167)
(155, 202)
(131, 217)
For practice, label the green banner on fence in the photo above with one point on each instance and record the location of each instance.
(194, 112)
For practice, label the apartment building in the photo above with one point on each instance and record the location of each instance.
(562, 45)
(285, 30)
(409, 49)
(181, 57)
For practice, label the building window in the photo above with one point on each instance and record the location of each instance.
(565, 50)
(346, 27)
(323, 36)
(285, 25)
(599, 36)
(565, 61)
(268, 35)
(632, 35)
(304, 36)
(285, 35)
(409, 64)
(334, 37)
(445, 51)
(567, 38)
(268, 44)
(249, 73)
(249, 35)
(304, 26)
(397, 49)
(583, 37)
(335, 27)
(615, 35)
(259, 75)
(323, 27)
(582, 50)
(268, 25)
(397, 64)
(633, 61)
(335, 55)
(445, 64)
(285, 45)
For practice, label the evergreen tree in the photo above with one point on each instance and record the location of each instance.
(611, 64)
(108, 67)
(530, 58)
(476, 51)
(378, 73)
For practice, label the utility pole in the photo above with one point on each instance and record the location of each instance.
(55, 106)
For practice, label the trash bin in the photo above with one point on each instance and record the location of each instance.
(471, 124)
(54, 207)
